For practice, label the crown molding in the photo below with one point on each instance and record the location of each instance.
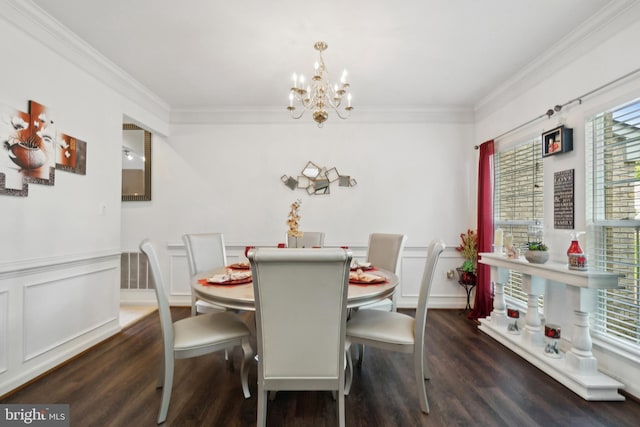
(273, 115)
(614, 17)
(36, 23)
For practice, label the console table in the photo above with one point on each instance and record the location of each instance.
(577, 368)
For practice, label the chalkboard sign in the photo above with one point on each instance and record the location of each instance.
(563, 200)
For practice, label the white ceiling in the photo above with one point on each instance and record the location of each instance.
(197, 54)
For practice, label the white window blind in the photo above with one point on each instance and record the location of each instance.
(613, 158)
(518, 200)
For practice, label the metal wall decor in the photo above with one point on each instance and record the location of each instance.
(317, 180)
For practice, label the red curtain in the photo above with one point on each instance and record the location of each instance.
(483, 303)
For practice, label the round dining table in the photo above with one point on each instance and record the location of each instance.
(240, 297)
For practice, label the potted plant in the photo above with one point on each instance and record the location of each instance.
(469, 250)
(537, 253)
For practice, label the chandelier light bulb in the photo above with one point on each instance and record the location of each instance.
(321, 95)
(343, 79)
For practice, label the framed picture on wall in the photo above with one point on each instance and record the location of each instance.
(558, 140)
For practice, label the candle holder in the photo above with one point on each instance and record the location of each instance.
(513, 316)
(552, 341)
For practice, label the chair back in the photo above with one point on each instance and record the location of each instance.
(308, 239)
(166, 323)
(385, 250)
(436, 247)
(301, 299)
(205, 252)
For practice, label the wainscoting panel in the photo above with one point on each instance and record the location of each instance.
(4, 332)
(445, 292)
(53, 309)
(58, 311)
(179, 274)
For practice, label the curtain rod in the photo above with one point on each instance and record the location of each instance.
(558, 107)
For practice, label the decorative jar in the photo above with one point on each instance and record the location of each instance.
(513, 315)
(552, 341)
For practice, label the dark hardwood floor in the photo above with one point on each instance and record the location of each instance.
(474, 382)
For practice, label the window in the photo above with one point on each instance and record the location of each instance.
(518, 201)
(613, 212)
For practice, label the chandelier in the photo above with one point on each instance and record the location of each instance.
(320, 95)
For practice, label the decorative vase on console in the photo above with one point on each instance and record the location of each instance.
(537, 253)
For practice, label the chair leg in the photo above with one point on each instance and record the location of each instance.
(418, 367)
(349, 376)
(247, 352)
(262, 406)
(427, 373)
(394, 301)
(341, 394)
(229, 360)
(161, 373)
(359, 348)
(166, 391)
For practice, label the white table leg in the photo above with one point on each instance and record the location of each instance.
(532, 331)
(499, 277)
(580, 358)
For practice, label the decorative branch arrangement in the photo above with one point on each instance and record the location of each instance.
(293, 220)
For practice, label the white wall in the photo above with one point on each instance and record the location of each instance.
(413, 178)
(609, 59)
(60, 246)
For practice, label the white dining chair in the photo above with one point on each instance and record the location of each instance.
(205, 251)
(301, 300)
(309, 239)
(396, 331)
(193, 336)
(385, 251)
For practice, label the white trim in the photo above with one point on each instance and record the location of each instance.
(50, 32)
(58, 262)
(612, 18)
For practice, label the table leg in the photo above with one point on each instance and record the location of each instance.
(499, 314)
(532, 331)
(579, 357)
